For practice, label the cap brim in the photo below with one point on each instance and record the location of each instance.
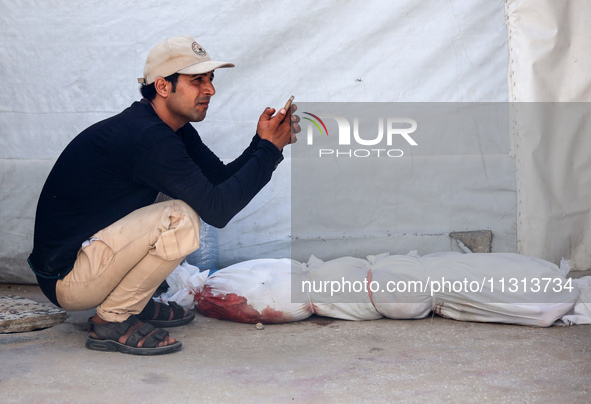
(204, 67)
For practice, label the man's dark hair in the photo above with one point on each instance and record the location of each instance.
(149, 91)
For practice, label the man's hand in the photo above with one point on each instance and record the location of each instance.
(281, 128)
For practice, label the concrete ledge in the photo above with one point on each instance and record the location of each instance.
(18, 314)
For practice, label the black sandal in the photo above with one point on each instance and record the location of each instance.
(163, 318)
(108, 338)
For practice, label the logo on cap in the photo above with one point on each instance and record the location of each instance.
(198, 49)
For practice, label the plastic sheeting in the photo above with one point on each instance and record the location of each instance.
(348, 201)
(68, 66)
(550, 63)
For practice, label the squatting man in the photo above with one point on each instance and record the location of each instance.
(101, 241)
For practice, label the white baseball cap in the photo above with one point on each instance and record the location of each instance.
(181, 54)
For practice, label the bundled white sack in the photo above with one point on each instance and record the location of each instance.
(498, 287)
(339, 288)
(252, 292)
(397, 285)
(581, 312)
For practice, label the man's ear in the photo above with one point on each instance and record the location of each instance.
(162, 86)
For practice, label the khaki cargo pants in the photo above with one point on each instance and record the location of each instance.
(121, 266)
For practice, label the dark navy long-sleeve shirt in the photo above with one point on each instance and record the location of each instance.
(119, 165)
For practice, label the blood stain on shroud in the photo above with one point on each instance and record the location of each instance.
(235, 308)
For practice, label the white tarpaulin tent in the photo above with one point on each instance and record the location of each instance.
(66, 66)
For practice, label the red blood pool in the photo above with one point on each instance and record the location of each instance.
(235, 308)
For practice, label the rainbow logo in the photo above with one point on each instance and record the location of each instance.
(315, 123)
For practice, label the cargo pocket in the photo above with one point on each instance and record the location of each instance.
(181, 239)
